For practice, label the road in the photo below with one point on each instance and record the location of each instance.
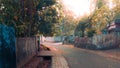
(78, 58)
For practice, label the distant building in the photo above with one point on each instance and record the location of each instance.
(115, 27)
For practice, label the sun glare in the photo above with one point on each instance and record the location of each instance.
(78, 7)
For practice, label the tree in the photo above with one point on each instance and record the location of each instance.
(83, 24)
(66, 27)
(23, 16)
(9, 13)
(116, 9)
(48, 17)
(102, 16)
(100, 3)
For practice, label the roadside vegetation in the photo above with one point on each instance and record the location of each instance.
(49, 18)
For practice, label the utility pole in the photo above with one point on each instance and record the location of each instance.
(63, 30)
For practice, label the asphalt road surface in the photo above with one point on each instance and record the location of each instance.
(78, 58)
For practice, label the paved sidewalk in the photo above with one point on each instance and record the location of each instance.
(58, 61)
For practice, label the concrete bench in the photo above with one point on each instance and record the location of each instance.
(57, 60)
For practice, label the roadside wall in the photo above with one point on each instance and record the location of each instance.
(26, 49)
(7, 47)
(102, 41)
(106, 40)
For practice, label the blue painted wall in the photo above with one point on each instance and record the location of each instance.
(7, 47)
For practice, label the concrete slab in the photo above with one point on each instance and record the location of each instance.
(46, 53)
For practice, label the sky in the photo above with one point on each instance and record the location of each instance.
(78, 7)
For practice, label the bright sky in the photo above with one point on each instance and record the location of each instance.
(78, 7)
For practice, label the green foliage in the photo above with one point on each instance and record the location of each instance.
(8, 11)
(66, 27)
(90, 32)
(116, 9)
(80, 29)
(99, 20)
(23, 16)
(103, 16)
(48, 19)
(45, 3)
(100, 3)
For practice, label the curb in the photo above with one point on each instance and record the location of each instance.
(58, 61)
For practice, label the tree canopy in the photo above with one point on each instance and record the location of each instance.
(101, 18)
(29, 16)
